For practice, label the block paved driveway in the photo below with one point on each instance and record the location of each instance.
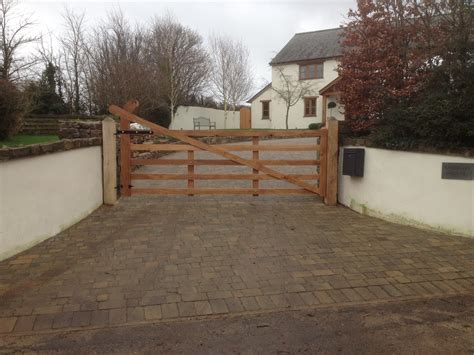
(157, 258)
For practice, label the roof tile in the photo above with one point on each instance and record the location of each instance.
(311, 45)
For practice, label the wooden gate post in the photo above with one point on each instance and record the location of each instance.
(109, 161)
(125, 171)
(125, 150)
(332, 125)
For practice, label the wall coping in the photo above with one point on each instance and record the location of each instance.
(7, 154)
(211, 108)
(365, 143)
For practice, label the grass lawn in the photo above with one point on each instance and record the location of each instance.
(24, 139)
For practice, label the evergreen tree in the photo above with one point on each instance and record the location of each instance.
(44, 95)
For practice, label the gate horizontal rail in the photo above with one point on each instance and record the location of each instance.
(280, 133)
(265, 147)
(137, 162)
(216, 191)
(142, 176)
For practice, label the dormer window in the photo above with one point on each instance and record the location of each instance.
(311, 71)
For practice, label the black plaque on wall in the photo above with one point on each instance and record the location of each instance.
(457, 171)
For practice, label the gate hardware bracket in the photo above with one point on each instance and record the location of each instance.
(124, 131)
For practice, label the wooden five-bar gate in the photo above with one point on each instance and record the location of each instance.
(325, 176)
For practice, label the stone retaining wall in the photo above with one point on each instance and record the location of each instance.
(80, 129)
(50, 124)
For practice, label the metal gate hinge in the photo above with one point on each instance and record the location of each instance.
(121, 186)
(125, 131)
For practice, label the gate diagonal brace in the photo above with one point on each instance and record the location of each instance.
(157, 129)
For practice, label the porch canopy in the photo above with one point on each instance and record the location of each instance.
(329, 90)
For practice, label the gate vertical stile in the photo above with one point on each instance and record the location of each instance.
(323, 149)
(125, 151)
(255, 157)
(191, 170)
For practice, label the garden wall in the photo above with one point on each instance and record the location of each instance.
(44, 194)
(407, 188)
(184, 117)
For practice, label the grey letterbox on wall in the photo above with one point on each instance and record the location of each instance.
(353, 162)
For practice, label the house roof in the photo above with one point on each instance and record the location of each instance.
(311, 45)
(259, 93)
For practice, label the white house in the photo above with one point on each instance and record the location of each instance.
(309, 56)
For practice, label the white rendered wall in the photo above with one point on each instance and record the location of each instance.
(257, 110)
(43, 195)
(183, 118)
(406, 187)
(296, 117)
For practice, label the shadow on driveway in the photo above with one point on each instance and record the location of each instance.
(432, 326)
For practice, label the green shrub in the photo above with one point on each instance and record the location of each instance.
(332, 104)
(315, 126)
(440, 116)
(11, 109)
(160, 116)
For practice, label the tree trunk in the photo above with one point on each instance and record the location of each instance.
(225, 114)
(287, 113)
(172, 111)
(76, 86)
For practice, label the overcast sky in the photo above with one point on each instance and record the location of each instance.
(264, 26)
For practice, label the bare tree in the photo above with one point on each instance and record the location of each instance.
(241, 82)
(88, 92)
(14, 35)
(178, 61)
(117, 65)
(45, 51)
(221, 63)
(291, 90)
(231, 76)
(73, 57)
